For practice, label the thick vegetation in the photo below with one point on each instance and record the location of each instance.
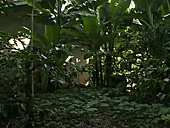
(128, 48)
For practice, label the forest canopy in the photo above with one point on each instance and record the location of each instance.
(61, 60)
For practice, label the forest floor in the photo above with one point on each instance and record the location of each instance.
(94, 108)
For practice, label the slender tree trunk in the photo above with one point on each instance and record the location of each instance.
(29, 99)
(101, 72)
(108, 68)
(94, 78)
(30, 78)
(96, 70)
(108, 61)
(168, 5)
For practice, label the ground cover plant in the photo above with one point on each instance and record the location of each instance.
(91, 108)
(127, 45)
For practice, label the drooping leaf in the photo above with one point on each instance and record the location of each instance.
(91, 28)
(74, 33)
(104, 105)
(52, 33)
(119, 6)
(91, 109)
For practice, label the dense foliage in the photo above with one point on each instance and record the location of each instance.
(128, 50)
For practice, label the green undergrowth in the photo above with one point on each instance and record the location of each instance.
(92, 108)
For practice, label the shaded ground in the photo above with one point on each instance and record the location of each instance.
(92, 108)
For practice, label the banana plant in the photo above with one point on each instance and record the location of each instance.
(97, 29)
(151, 11)
(47, 48)
(153, 16)
(111, 14)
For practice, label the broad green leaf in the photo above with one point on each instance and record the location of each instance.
(130, 109)
(37, 6)
(104, 105)
(71, 32)
(166, 117)
(154, 4)
(91, 109)
(74, 112)
(91, 27)
(52, 33)
(119, 6)
(104, 13)
(142, 105)
(82, 13)
(124, 103)
(140, 3)
(93, 102)
(151, 7)
(25, 30)
(164, 111)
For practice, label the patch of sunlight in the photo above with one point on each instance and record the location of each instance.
(166, 79)
(87, 61)
(82, 78)
(69, 58)
(119, 58)
(134, 84)
(138, 55)
(117, 73)
(130, 86)
(126, 53)
(127, 29)
(132, 4)
(65, 4)
(19, 44)
(133, 66)
(116, 4)
(127, 72)
(77, 60)
(136, 21)
(138, 60)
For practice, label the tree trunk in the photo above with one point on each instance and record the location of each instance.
(96, 70)
(29, 98)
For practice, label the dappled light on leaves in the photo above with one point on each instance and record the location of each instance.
(89, 63)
